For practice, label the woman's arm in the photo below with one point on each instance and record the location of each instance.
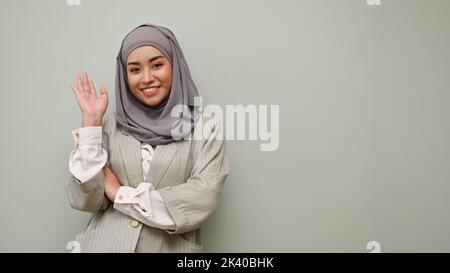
(142, 203)
(112, 183)
(190, 204)
(88, 156)
(87, 194)
(85, 190)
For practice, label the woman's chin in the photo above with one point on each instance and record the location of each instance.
(152, 102)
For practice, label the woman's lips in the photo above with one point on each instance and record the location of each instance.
(150, 91)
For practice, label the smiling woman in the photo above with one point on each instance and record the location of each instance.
(149, 191)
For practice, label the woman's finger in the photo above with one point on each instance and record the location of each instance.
(86, 83)
(91, 86)
(104, 94)
(74, 89)
(79, 84)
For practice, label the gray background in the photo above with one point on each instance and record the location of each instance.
(364, 106)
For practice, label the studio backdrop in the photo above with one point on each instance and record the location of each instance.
(345, 104)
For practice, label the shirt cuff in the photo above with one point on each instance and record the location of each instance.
(145, 204)
(91, 135)
(88, 157)
(138, 198)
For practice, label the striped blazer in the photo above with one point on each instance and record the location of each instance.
(189, 175)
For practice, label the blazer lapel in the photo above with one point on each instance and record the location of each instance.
(161, 160)
(132, 158)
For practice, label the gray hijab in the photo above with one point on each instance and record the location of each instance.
(154, 125)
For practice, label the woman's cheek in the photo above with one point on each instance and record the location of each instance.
(134, 82)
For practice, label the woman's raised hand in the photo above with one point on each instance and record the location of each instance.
(92, 107)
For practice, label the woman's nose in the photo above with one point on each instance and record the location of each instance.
(148, 76)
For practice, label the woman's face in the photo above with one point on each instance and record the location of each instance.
(149, 75)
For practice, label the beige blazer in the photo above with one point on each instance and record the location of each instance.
(189, 175)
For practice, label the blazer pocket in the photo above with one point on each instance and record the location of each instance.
(97, 241)
(88, 241)
(187, 246)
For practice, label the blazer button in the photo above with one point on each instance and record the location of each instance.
(134, 223)
(168, 188)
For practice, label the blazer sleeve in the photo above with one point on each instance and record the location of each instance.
(90, 196)
(192, 203)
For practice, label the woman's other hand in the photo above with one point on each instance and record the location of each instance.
(92, 107)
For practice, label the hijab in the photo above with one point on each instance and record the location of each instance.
(157, 125)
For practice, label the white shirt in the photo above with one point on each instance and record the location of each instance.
(143, 203)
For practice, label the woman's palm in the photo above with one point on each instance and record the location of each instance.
(90, 104)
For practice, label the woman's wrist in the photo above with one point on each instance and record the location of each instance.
(91, 121)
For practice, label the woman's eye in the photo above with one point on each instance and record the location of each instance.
(157, 65)
(134, 70)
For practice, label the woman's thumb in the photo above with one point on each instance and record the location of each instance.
(103, 92)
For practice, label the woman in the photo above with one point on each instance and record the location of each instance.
(151, 177)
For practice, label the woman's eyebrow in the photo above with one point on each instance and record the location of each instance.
(150, 60)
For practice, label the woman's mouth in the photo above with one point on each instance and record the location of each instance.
(150, 91)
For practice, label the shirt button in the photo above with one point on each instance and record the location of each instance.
(134, 223)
